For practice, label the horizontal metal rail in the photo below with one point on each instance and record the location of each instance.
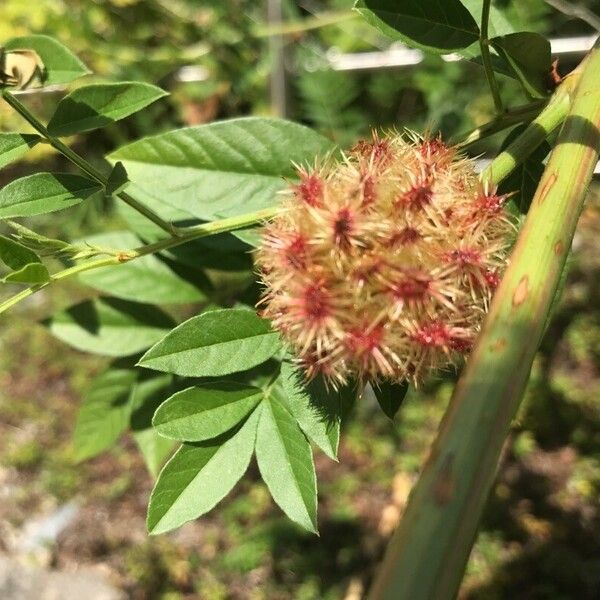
(398, 55)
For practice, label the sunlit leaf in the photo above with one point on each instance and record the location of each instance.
(286, 464)
(44, 193)
(199, 475)
(15, 145)
(100, 104)
(317, 409)
(214, 343)
(31, 273)
(205, 411)
(221, 169)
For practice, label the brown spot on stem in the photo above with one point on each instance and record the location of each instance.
(444, 486)
(499, 345)
(554, 74)
(124, 256)
(559, 247)
(521, 291)
(547, 187)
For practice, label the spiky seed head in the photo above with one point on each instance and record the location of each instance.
(382, 265)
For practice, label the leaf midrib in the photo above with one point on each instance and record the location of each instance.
(213, 345)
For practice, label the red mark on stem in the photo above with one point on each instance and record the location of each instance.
(521, 291)
(559, 248)
(547, 187)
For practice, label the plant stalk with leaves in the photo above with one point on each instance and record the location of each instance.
(223, 384)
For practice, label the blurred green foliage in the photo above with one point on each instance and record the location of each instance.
(224, 48)
(227, 43)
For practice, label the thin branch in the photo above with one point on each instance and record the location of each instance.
(82, 163)
(514, 116)
(579, 11)
(484, 44)
(120, 257)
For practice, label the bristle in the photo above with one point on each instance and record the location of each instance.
(382, 264)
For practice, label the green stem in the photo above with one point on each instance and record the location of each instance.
(484, 44)
(427, 555)
(82, 163)
(514, 116)
(535, 133)
(301, 26)
(117, 258)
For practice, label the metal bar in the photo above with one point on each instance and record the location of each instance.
(398, 55)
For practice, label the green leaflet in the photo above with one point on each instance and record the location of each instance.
(199, 475)
(318, 410)
(104, 413)
(205, 411)
(15, 145)
(214, 343)
(110, 326)
(14, 255)
(100, 104)
(432, 25)
(25, 264)
(529, 56)
(33, 273)
(221, 169)
(44, 193)
(286, 464)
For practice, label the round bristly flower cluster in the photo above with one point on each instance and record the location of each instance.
(382, 265)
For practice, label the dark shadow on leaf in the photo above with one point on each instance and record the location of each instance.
(79, 112)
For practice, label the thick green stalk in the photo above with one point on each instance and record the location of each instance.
(484, 45)
(427, 555)
(82, 163)
(536, 132)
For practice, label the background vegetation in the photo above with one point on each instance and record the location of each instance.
(540, 534)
